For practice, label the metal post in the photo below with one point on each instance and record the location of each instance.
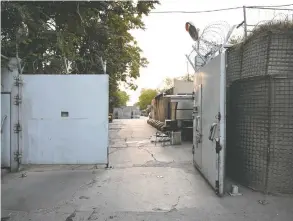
(222, 140)
(245, 22)
(13, 83)
(193, 66)
(187, 71)
(18, 84)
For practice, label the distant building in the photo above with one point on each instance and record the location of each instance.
(181, 111)
(163, 109)
(126, 112)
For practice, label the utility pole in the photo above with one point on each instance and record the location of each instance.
(245, 22)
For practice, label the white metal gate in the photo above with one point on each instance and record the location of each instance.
(5, 130)
(197, 127)
(65, 119)
(209, 122)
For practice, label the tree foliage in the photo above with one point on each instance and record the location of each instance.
(71, 37)
(146, 97)
(123, 98)
(166, 84)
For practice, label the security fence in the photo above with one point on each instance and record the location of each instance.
(260, 110)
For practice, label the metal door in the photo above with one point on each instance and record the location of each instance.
(5, 129)
(208, 154)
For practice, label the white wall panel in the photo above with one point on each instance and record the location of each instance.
(79, 138)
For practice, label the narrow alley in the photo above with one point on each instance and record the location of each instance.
(144, 182)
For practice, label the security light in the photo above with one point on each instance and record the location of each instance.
(191, 29)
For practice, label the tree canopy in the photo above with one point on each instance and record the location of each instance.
(72, 37)
(145, 98)
(123, 98)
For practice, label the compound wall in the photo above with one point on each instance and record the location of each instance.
(259, 112)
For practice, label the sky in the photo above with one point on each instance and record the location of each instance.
(165, 41)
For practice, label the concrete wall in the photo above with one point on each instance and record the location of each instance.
(182, 86)
(51, 137)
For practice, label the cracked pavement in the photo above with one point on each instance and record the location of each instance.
(145, 182)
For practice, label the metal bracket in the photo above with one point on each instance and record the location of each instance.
(17, 156)
(212, 131)
(198, 138)
(17, 81)
(17, 100)
(218, 146)
(17, 128)
(197, 123)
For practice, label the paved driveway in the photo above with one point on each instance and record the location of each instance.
(145, 182)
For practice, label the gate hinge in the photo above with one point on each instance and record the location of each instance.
(218, 146)
(17, 156)
(17, 81)
(219, 116)
(17, 100)
(17, 128)
(217, 186)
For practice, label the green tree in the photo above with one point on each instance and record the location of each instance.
(71, 37)
(146, 97)
(123, 98)
(186, 77)
(166, 84)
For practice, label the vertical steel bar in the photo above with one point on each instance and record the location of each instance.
(270, 95)
(222, 122)
(245, 22)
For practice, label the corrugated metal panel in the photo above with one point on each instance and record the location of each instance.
(184, 110)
